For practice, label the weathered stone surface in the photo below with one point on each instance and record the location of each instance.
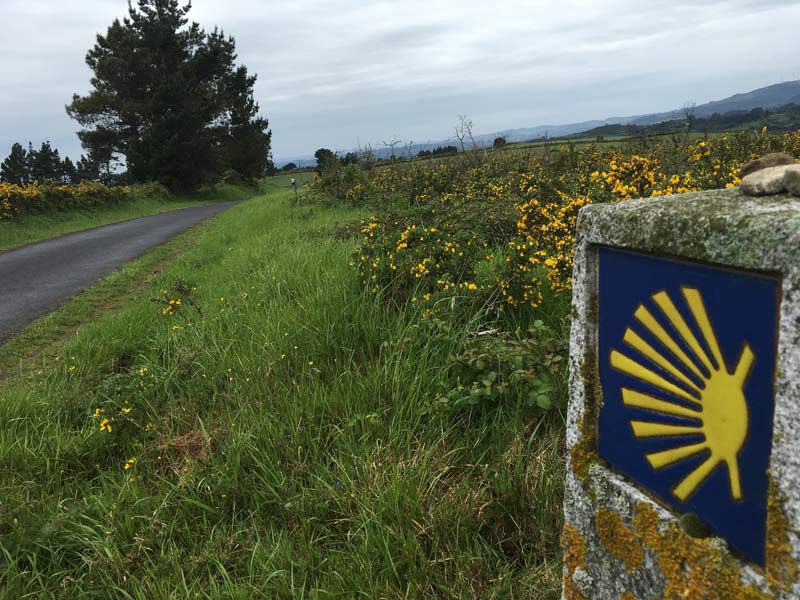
(765, 182)
(768, 160)
(643, 551)
(791, 180)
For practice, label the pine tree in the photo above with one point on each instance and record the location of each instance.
(30, 155)
(69, 173)
(86, 169)
(14, 169)
(45, 164)
(248, 146)
(169, 98)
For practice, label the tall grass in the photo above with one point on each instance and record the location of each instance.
(282, 439)
(143, 200)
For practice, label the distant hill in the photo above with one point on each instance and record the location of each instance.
(781, 118)
(771, 96)
(525, 134)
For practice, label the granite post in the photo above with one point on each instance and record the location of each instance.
(683, 473)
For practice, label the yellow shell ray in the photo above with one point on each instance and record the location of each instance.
(647, 402)
(674, 316)
(635, 341)
(673, 455)
(721, 416)
(629, 366)
(695, 302)
(646, 318)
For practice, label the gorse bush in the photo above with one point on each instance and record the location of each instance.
(150, 191)
(38, 198)
(499, 226)
(419, 260)
(17, 199)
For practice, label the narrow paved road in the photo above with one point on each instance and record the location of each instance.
(36, 279)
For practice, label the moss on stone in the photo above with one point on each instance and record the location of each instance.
(694, 526)
(574, 545)
(584, 453)
(592, 311)
(701, 226)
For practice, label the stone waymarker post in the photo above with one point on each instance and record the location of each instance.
(683, 475)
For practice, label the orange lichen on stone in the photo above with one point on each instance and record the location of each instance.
(627, 596)
(583, 456)
(571, 591)
(574, 545)
(619, 539)
(781, 568)
(692, 567)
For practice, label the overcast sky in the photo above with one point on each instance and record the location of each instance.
(336, 73)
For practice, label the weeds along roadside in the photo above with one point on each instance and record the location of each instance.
(27, 352)
(314, 435)
(488, 236)
(27, 355)
(257, 423)
(34, 213)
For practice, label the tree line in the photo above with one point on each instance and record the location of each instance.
(438, 151)
(23, 166)
(168, 103)
(326, 157)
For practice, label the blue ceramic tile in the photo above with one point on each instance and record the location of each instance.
(687, 357)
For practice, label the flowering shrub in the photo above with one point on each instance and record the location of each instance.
(415, 263)
(499, 226)
(543, 244)
(636, 177)
(16, 199)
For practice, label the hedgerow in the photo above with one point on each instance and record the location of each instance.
(48, 197)
(498, 226)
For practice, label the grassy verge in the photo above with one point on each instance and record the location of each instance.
(37, 227)
(254, 425)
(31, 228)
(27, 354)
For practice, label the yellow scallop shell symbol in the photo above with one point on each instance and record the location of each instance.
(701, 390)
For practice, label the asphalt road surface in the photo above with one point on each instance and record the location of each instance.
(36, 279)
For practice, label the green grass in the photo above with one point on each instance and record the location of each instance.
(283, 182)
(37, 227)
(286, 437)
(31, 228)
(607, 141)
(27, 354)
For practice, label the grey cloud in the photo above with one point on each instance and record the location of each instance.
(333, 72)
(415, 36)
